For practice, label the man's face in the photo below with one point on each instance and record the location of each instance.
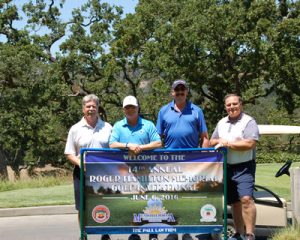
(131, 111)
(180, 93)
(90, 109)
(233, 106)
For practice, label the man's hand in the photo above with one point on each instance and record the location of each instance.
(134, 149)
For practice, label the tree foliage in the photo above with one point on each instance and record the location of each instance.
(247, 47)
(220, 47)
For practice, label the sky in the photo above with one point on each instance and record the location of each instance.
(128, 7)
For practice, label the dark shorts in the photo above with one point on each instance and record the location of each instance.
(76, 182)
(240, 180)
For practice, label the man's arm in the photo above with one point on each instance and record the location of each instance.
(152, 145)
(73, 159)
(240, 145)
(133, 148)
(118, 145)
(204, 140)
(136, 148)
(213, 142)
(70, 149)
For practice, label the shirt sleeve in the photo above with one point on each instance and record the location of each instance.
(202, 123)
(251, 131)
(215, 134)
(70, 147)
(159, 123)
(153, 134)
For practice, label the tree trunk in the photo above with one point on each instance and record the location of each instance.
(3, 166)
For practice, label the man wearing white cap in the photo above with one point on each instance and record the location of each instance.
(134, 134)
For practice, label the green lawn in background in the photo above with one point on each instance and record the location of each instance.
(45, 193)
(265, 176)
(27, 197)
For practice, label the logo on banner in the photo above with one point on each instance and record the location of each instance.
(208, 213)
(154, 212)
(100, 214)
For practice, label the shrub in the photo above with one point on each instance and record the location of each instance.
(276, 157)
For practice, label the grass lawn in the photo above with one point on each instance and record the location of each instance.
(55, 195)
(49, 191)
(36, 192)
(265, 176)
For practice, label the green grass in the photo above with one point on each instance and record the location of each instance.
(39, 191)
(55, 195)
(265, 176)
(37, 182)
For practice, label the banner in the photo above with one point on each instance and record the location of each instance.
(154, 192)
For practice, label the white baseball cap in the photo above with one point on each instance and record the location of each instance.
(130, 100)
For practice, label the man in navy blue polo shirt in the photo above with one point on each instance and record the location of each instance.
(181, 124)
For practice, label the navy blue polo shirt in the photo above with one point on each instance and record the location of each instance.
(181, 129)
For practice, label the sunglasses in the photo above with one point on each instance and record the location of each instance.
(178, 94)
(180, 89)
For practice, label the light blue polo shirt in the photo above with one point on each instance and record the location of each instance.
(181, 129)
(143, 133)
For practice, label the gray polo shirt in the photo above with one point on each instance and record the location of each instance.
(244, 127)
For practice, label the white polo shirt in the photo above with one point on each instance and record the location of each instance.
(82, 135)
(244, 127)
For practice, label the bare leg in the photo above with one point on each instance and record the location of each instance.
(238, 217)
(249, 213)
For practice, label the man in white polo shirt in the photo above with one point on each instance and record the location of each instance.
(89, 132)
(239, 133)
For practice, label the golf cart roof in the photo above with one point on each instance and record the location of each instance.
(278, 129)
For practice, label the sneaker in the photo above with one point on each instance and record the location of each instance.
(250, 236)
(236, 236)
(152, 236)
(187, 236)
(134, 237)
(105, 237)
(172, 237)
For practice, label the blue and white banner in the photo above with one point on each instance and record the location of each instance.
(157, 191)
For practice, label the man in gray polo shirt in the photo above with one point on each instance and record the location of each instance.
(239, 133)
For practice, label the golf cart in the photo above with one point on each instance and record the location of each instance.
(272, 210)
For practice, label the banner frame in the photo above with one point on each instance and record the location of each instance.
(84, 235)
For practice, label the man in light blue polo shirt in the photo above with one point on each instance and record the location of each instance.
(134, 134)
(181, 124)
